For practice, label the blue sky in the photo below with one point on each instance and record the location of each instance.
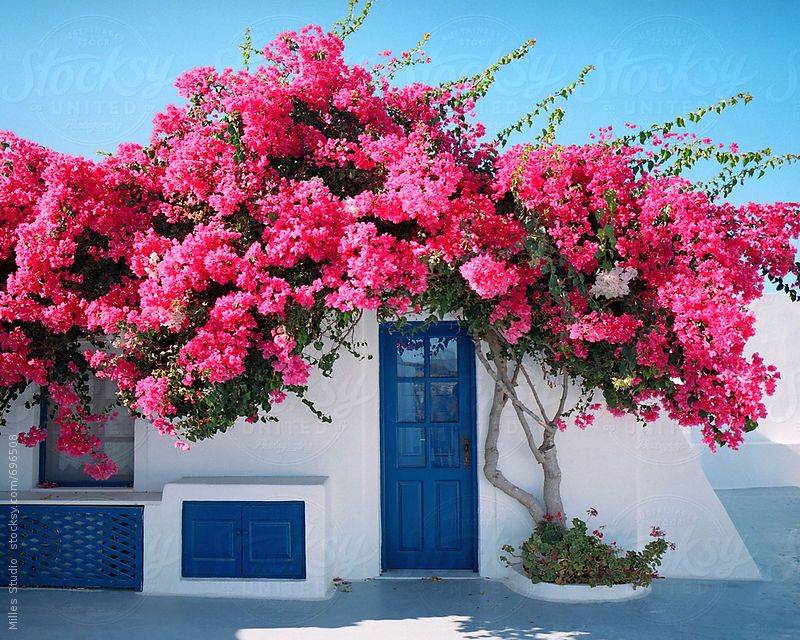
(85, 76)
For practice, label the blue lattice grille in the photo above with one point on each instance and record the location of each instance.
(74, 546)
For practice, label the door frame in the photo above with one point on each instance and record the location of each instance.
(385, 328)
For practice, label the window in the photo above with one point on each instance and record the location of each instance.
(117, 436)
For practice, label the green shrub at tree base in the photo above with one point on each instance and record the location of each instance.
(562, 554)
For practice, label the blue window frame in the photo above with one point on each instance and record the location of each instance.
(118, 442)
(244, 540)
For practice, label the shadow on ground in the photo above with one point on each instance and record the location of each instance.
(768, 519)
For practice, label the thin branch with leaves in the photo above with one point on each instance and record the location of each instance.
(353, 21)
(554, 118)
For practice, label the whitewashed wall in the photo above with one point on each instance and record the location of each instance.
(19, 464)
(636, 478)
(346, 451)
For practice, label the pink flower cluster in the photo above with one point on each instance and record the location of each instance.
(691, 265)
(32, 437)
(489, 277)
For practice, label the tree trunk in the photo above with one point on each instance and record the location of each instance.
(545, 454)
(492, 455)
(552, 474)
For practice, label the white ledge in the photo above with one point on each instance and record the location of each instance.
(164, 544)
(257, 480)
(77, 497)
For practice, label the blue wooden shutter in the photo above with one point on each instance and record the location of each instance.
(212, 540)
(274, 540)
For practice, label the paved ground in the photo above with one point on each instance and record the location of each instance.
(768, 519)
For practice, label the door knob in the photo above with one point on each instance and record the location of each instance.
(466, 452)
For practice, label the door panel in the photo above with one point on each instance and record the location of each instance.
(427, 431)
(447, 502)
(274, 540)
(212, 540)
(410, 520)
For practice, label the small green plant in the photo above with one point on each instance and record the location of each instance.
(560, 554)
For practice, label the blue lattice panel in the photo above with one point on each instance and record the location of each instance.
(74, 546)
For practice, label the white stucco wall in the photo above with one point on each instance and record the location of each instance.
(20, 464)
(635, 477)
(346, 451)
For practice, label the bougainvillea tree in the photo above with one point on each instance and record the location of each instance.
(211, 271)
(68, 225)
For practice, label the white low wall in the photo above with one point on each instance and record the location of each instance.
(162, 537)
(635, 477)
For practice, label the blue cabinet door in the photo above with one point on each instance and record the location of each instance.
(244, 540)
(274, 540)
(212, 540)
(427, 448)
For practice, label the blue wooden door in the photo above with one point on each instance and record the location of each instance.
(274, 540)
(427, 448)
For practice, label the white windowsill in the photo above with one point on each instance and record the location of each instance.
(244, 580)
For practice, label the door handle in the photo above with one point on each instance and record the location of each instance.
(466, 452)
